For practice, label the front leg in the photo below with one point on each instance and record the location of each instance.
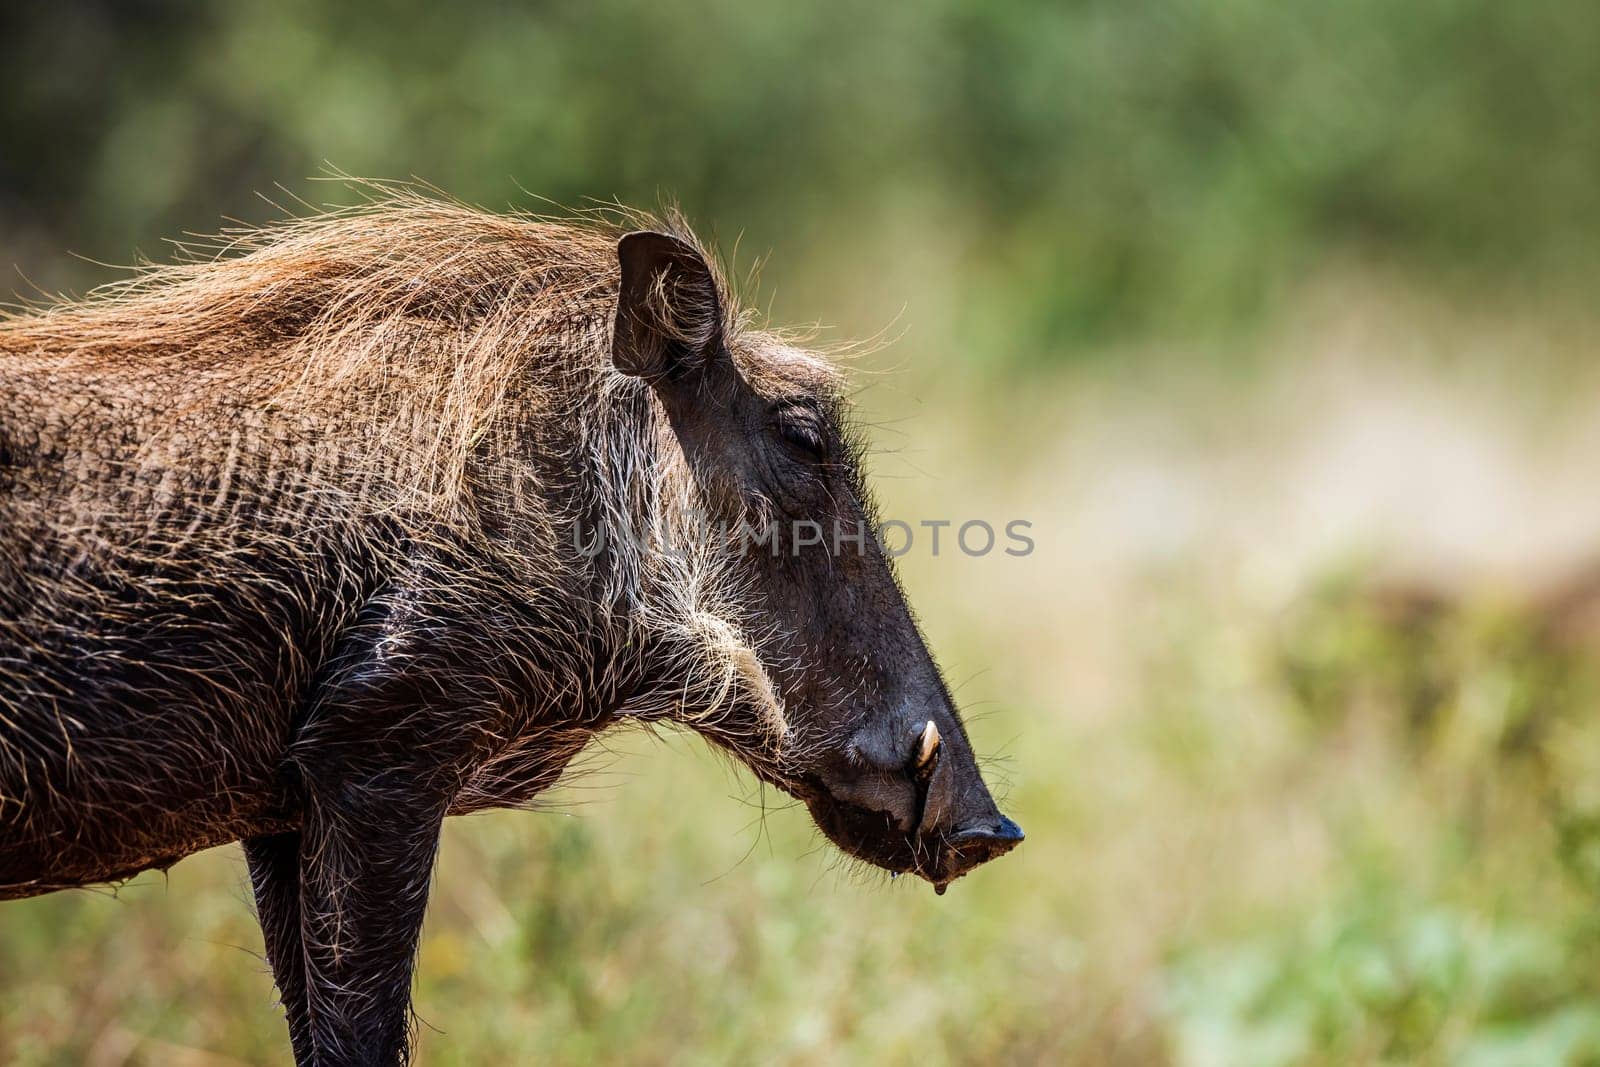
(366, 858)
(275, 876)
(393, 731)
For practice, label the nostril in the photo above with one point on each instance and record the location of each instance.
(1009, 831)
(1006, 832)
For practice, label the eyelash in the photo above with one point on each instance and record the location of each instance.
(802, 438)
(797, 432)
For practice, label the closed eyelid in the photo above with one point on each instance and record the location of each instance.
(805, 435)
(805, 418)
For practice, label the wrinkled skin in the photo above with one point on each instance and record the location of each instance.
(326, 683)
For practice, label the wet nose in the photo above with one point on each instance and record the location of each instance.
(1004, 833)
(974, 846)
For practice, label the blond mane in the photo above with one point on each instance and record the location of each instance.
(410, 336)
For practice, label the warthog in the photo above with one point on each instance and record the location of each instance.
(380, 517)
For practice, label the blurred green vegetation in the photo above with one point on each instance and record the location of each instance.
(1086, 169)
(1342, 821)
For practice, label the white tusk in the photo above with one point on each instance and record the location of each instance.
(927, 746)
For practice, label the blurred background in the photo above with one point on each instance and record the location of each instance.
(1275, 319)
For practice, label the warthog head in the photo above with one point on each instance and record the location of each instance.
(870, 738)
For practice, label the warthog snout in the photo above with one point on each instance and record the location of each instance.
(919, 808)
(977, 845)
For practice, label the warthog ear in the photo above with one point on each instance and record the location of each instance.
(669, 314)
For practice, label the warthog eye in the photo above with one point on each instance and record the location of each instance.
(803, 439)
(799, 430)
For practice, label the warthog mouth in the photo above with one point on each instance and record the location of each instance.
(940, 856)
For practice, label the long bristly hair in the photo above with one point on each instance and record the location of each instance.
(391, 359)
